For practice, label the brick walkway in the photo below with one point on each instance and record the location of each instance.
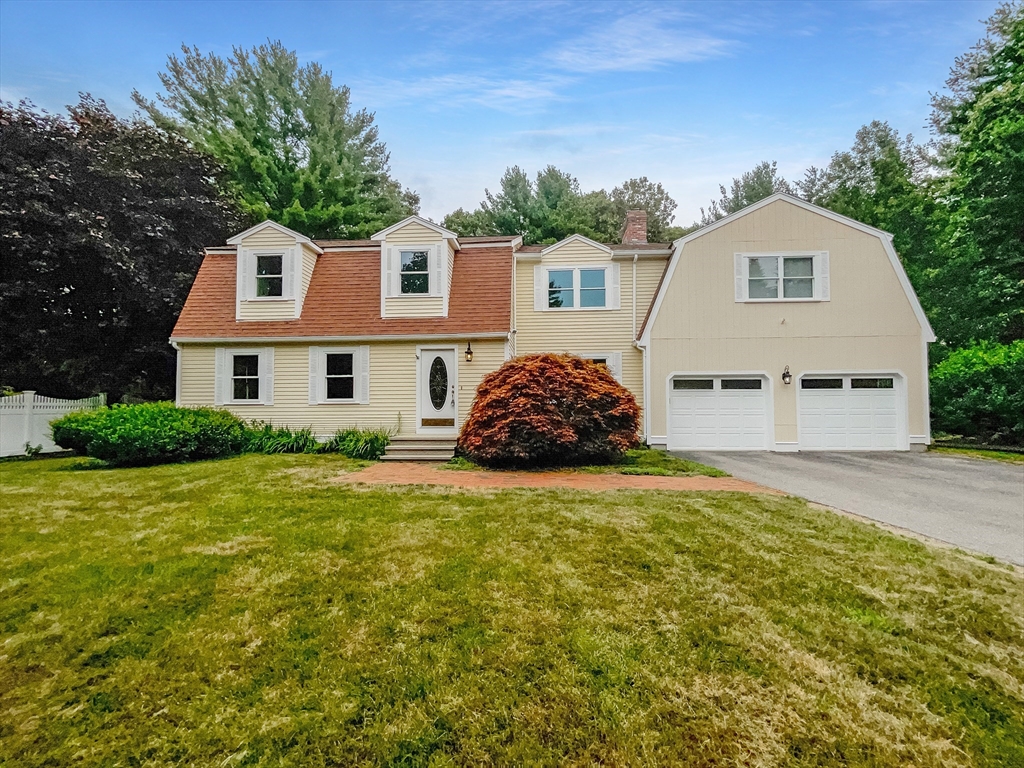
(402, 473)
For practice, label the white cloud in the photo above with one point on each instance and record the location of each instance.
(503, 94)
(638, 42)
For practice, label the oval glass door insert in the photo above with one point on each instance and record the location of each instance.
(437, 385)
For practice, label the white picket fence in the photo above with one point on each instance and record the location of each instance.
(25, 418)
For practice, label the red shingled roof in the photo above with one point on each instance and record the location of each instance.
(344, 299)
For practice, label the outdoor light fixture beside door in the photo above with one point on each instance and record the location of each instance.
(469, 352)
(787, 377)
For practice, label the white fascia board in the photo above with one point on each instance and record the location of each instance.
(915, 303)
(447, 234)
(576, 239)
(268, 224)
(339, 339)
(837, 217)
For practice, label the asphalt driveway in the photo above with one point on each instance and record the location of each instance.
(973, 503)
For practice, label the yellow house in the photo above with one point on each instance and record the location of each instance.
(781, 327)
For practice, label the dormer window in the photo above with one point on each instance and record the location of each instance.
(415, 272)
(269, 275)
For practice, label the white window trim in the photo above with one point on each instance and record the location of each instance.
(393, 272)
(611, 287)
(820, 276)
(223, 378)
(614, 361)
(360, 372)
(245, 289)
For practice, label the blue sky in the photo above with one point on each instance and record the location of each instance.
(688, 94)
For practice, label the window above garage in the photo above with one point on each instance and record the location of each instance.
(775, 277)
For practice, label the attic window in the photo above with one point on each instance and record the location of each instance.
(269, 275)
(415, 271)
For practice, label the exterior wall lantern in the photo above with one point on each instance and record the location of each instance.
(469, 352)
(787, 377)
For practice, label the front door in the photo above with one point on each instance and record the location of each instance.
(437, 390)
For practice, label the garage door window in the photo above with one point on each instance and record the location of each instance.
(693, 384)
(871, 383)
(821, 383)
(741, 383)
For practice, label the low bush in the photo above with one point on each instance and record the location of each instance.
(75, 430)
(978, 392)
(265, 438)
(151, 433)
(547, 411)
(358, 443)
(353, 443)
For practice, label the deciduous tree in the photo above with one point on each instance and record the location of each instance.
(102, 226)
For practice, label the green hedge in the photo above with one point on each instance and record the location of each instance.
(978, 392)
(159, 433)
(151, 433)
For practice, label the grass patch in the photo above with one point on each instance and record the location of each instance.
(250, 612)
(640, 461)
(977, 453)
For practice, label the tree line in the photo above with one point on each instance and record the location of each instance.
(103, 219)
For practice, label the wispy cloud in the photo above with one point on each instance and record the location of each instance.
(503, 94)
(638, 42)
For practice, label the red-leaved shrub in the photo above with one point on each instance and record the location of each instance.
(548, 411)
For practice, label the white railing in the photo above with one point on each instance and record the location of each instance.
(25, 420)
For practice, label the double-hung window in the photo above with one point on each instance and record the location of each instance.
(244, 376)
(782, 277)
(576, 287)
(339, 375)
(415, 272)
(269, 275)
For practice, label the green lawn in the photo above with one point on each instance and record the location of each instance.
(250, 612)
(640, 461)
(975, 453)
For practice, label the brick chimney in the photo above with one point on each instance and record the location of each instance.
(635, 230)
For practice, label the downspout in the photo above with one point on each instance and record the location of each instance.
(643, 358)
(635, 257)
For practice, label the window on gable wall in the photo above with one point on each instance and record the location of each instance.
(572, 288)
(781, 277)
(415, 272)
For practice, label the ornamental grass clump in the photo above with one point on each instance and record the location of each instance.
(549, 411)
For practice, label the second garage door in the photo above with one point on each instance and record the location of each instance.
(851, 413)
(718, 413)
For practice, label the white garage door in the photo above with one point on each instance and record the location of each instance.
(718, 413)
(851, 413)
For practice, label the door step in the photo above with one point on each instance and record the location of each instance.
(433, 449)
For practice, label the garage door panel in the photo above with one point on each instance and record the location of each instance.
(732, 419)
(850, 419)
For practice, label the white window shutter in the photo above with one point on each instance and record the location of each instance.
(614, 294)
(388, 254)
(437, 274)
(540, 288)
(290, 261)
(314, 375)
(221, 378)
(741, 277)
(246, 275)
(267, 376)
(363, 359)
(615, 364)
(824, 291)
